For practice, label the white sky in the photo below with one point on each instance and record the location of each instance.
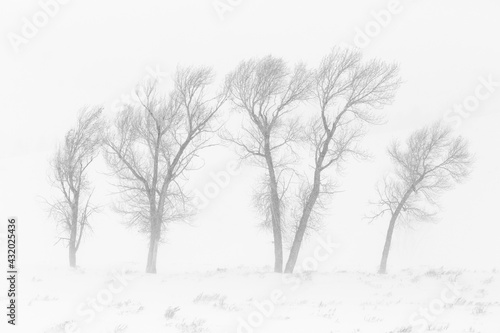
(93, 52)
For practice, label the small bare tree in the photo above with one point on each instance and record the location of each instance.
(70, 176)
(266, 90)
(346, 91)
(154, 144)
(431, 161)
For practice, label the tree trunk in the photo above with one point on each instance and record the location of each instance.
(72, 255)
(306, 212)
(278, 249)
(275, 209)
(277, 237)
(387, 246)
(154, 240)
(301, 230)
(388, 238)
(73, 235)
(154, 237)
(152, 254)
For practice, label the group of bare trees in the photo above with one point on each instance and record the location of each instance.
(341, 95)
(299, 125)
(267, 91)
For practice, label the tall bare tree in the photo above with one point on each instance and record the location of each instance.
(152, 145)
(70, 176)
(431, 161)
(346, 90)
(266, 90)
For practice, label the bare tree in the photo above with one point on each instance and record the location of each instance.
(154, 144)
(346, 91)
(70, 176)
(431, 161)
(266, 90)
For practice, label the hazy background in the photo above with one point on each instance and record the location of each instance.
(93, 52)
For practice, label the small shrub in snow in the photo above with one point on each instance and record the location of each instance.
(171, 311)
(196, 326)
(217, 300)
(479, 309)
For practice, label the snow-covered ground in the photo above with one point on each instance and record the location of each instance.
(124, 299)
